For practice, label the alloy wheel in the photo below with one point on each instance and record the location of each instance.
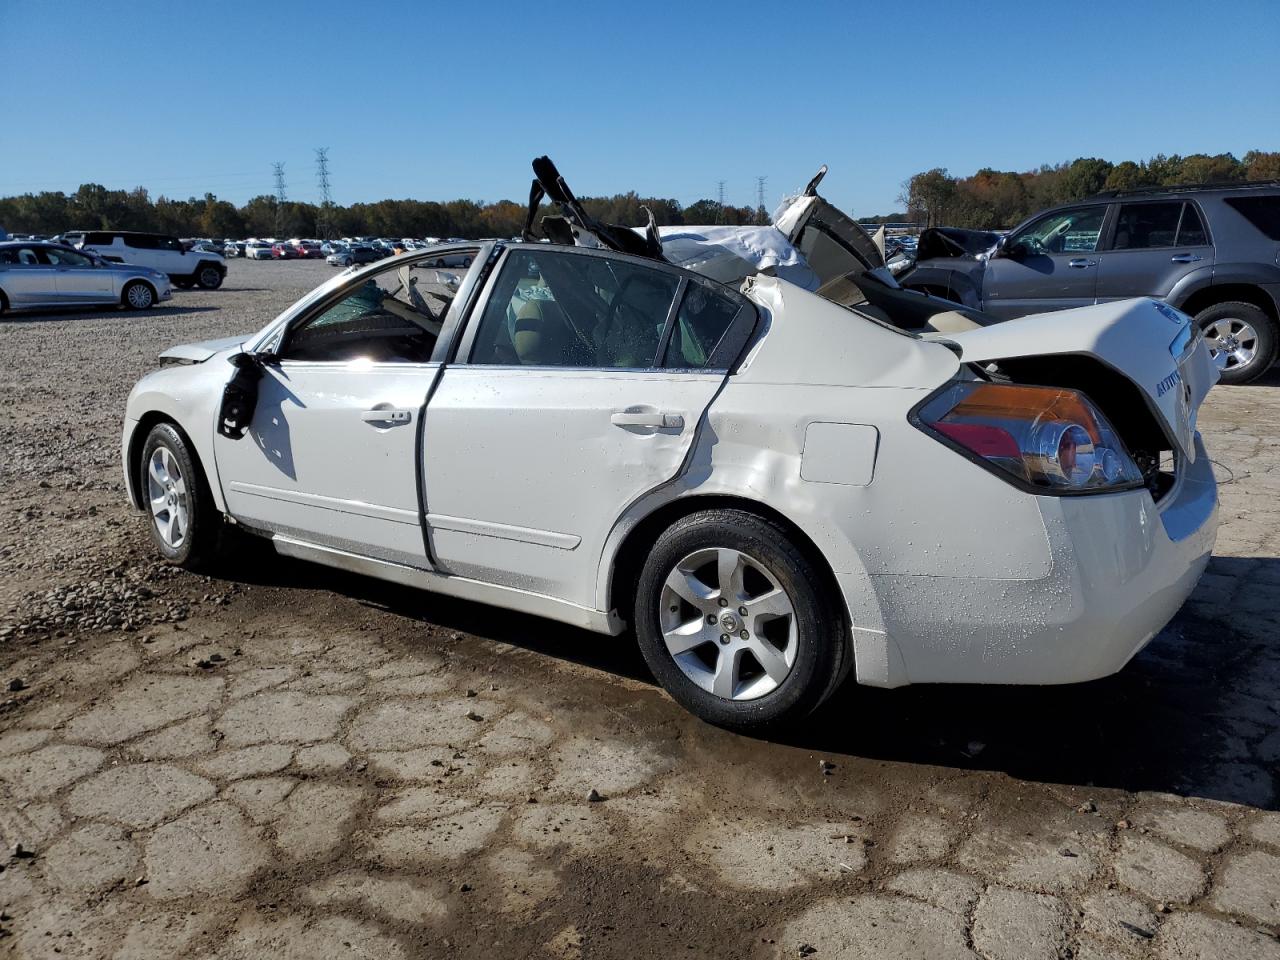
(140, 296)
(209, 277)
(167, 492)
(728, 624)
(1232, 342)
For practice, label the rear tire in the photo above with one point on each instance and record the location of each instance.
(138, 295)
(209, 277)
(4, 304)
(778, 645)
(185, 524)
(1241, 338)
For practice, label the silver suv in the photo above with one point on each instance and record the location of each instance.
(1212, 251)
(186, 268)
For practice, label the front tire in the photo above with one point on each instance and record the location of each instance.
(732, 619)
(209, 277)
(138, 296)
(184, 521)
(1241, 339)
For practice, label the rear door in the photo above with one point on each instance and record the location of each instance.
(26, 276)
(77, 279)
(578, 389)
(1153, 244)
(1050, 264)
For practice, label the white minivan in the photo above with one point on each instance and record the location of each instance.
(186, 268)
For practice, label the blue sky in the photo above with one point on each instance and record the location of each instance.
(437, 101)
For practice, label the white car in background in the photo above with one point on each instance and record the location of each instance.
(257, 250)
(201, 267)
(771, 485)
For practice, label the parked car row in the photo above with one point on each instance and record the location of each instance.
(763, 410)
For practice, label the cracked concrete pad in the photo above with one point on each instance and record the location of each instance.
(523, 879)
(300, 938)
(30, 823)
(397, 898)
(1190, 828)
(1156, 870)
(421, 804)
(875, 927)
(953, 892)
(610, 767)
(244, 762)
(262, 799)
(245, 683)
(48, 769)
(508, 780)
(1034, 862)
(138, 795)
(1191, 936)
(516, 734)
(1266, 828)
(212, 850)
(421, 685)
(762, 855)
(143, 704)
(423, 763)
(400, 725)
(1015, 925)
(322, 758)
(919, 837)
(13, 742)
(189, 738)
(582, 826)
(1249, 885)
(163, 936)
(448, 838)
(1118, 917)
(315, 818)
(93, 857)
(283, 717)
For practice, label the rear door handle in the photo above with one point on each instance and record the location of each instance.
(386, 415)
(1186, 258)
(1080, 263)
(646, 418)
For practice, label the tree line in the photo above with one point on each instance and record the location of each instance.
(94, 207)
(998, 199)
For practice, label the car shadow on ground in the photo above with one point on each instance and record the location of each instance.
(1194, 714)
(58, 316)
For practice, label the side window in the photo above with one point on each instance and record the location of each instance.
(99, 239)
(27, 257)
(1067, 231)
(66, 258)
(166, 243)
(1143, 225)
(391, 317)
(551, 309)
(1191, 232)
(701, 323)
(8, 255)
(141, 242)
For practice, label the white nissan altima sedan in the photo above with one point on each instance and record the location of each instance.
(769, 463)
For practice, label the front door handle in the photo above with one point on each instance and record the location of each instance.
(646, 418)
(386, 415)
(1186, 258)
(1080, 263)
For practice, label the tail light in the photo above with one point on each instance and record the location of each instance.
(1050, 439)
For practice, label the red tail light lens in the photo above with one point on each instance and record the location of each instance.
(1049, 438)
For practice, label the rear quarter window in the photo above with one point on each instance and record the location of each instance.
(1262, 212)
(98, 239)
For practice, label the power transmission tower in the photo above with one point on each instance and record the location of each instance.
(324, 225)
(720, 203)
(278, 170)
(761, 213)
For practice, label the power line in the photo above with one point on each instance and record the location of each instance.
(323, 218)
(277, 170)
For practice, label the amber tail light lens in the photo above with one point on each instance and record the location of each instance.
(1051, 439)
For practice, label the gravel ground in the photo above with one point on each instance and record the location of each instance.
(295, 763)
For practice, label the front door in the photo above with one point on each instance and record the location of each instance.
(331, 455)
(1051, 264)
(579, 390)
(1154, 244)
(78, 279)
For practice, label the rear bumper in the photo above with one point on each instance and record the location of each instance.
(1121, 568)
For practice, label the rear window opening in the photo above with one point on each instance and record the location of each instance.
(1262, 212)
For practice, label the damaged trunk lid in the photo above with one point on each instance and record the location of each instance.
(833, 243)
(1148, 342)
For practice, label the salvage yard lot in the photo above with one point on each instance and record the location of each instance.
(297, 763)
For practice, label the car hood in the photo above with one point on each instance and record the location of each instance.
(1146, 340)
(203, 350)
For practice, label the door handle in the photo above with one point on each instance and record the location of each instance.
(646, 418)
(386, 415)
(1080, 263)
(1186, 258)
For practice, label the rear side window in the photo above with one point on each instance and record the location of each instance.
(98, 239)
(701, 323)
(141, 242)
(1169, 223)
(1262, 212)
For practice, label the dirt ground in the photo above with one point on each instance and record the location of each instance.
(297, 763)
